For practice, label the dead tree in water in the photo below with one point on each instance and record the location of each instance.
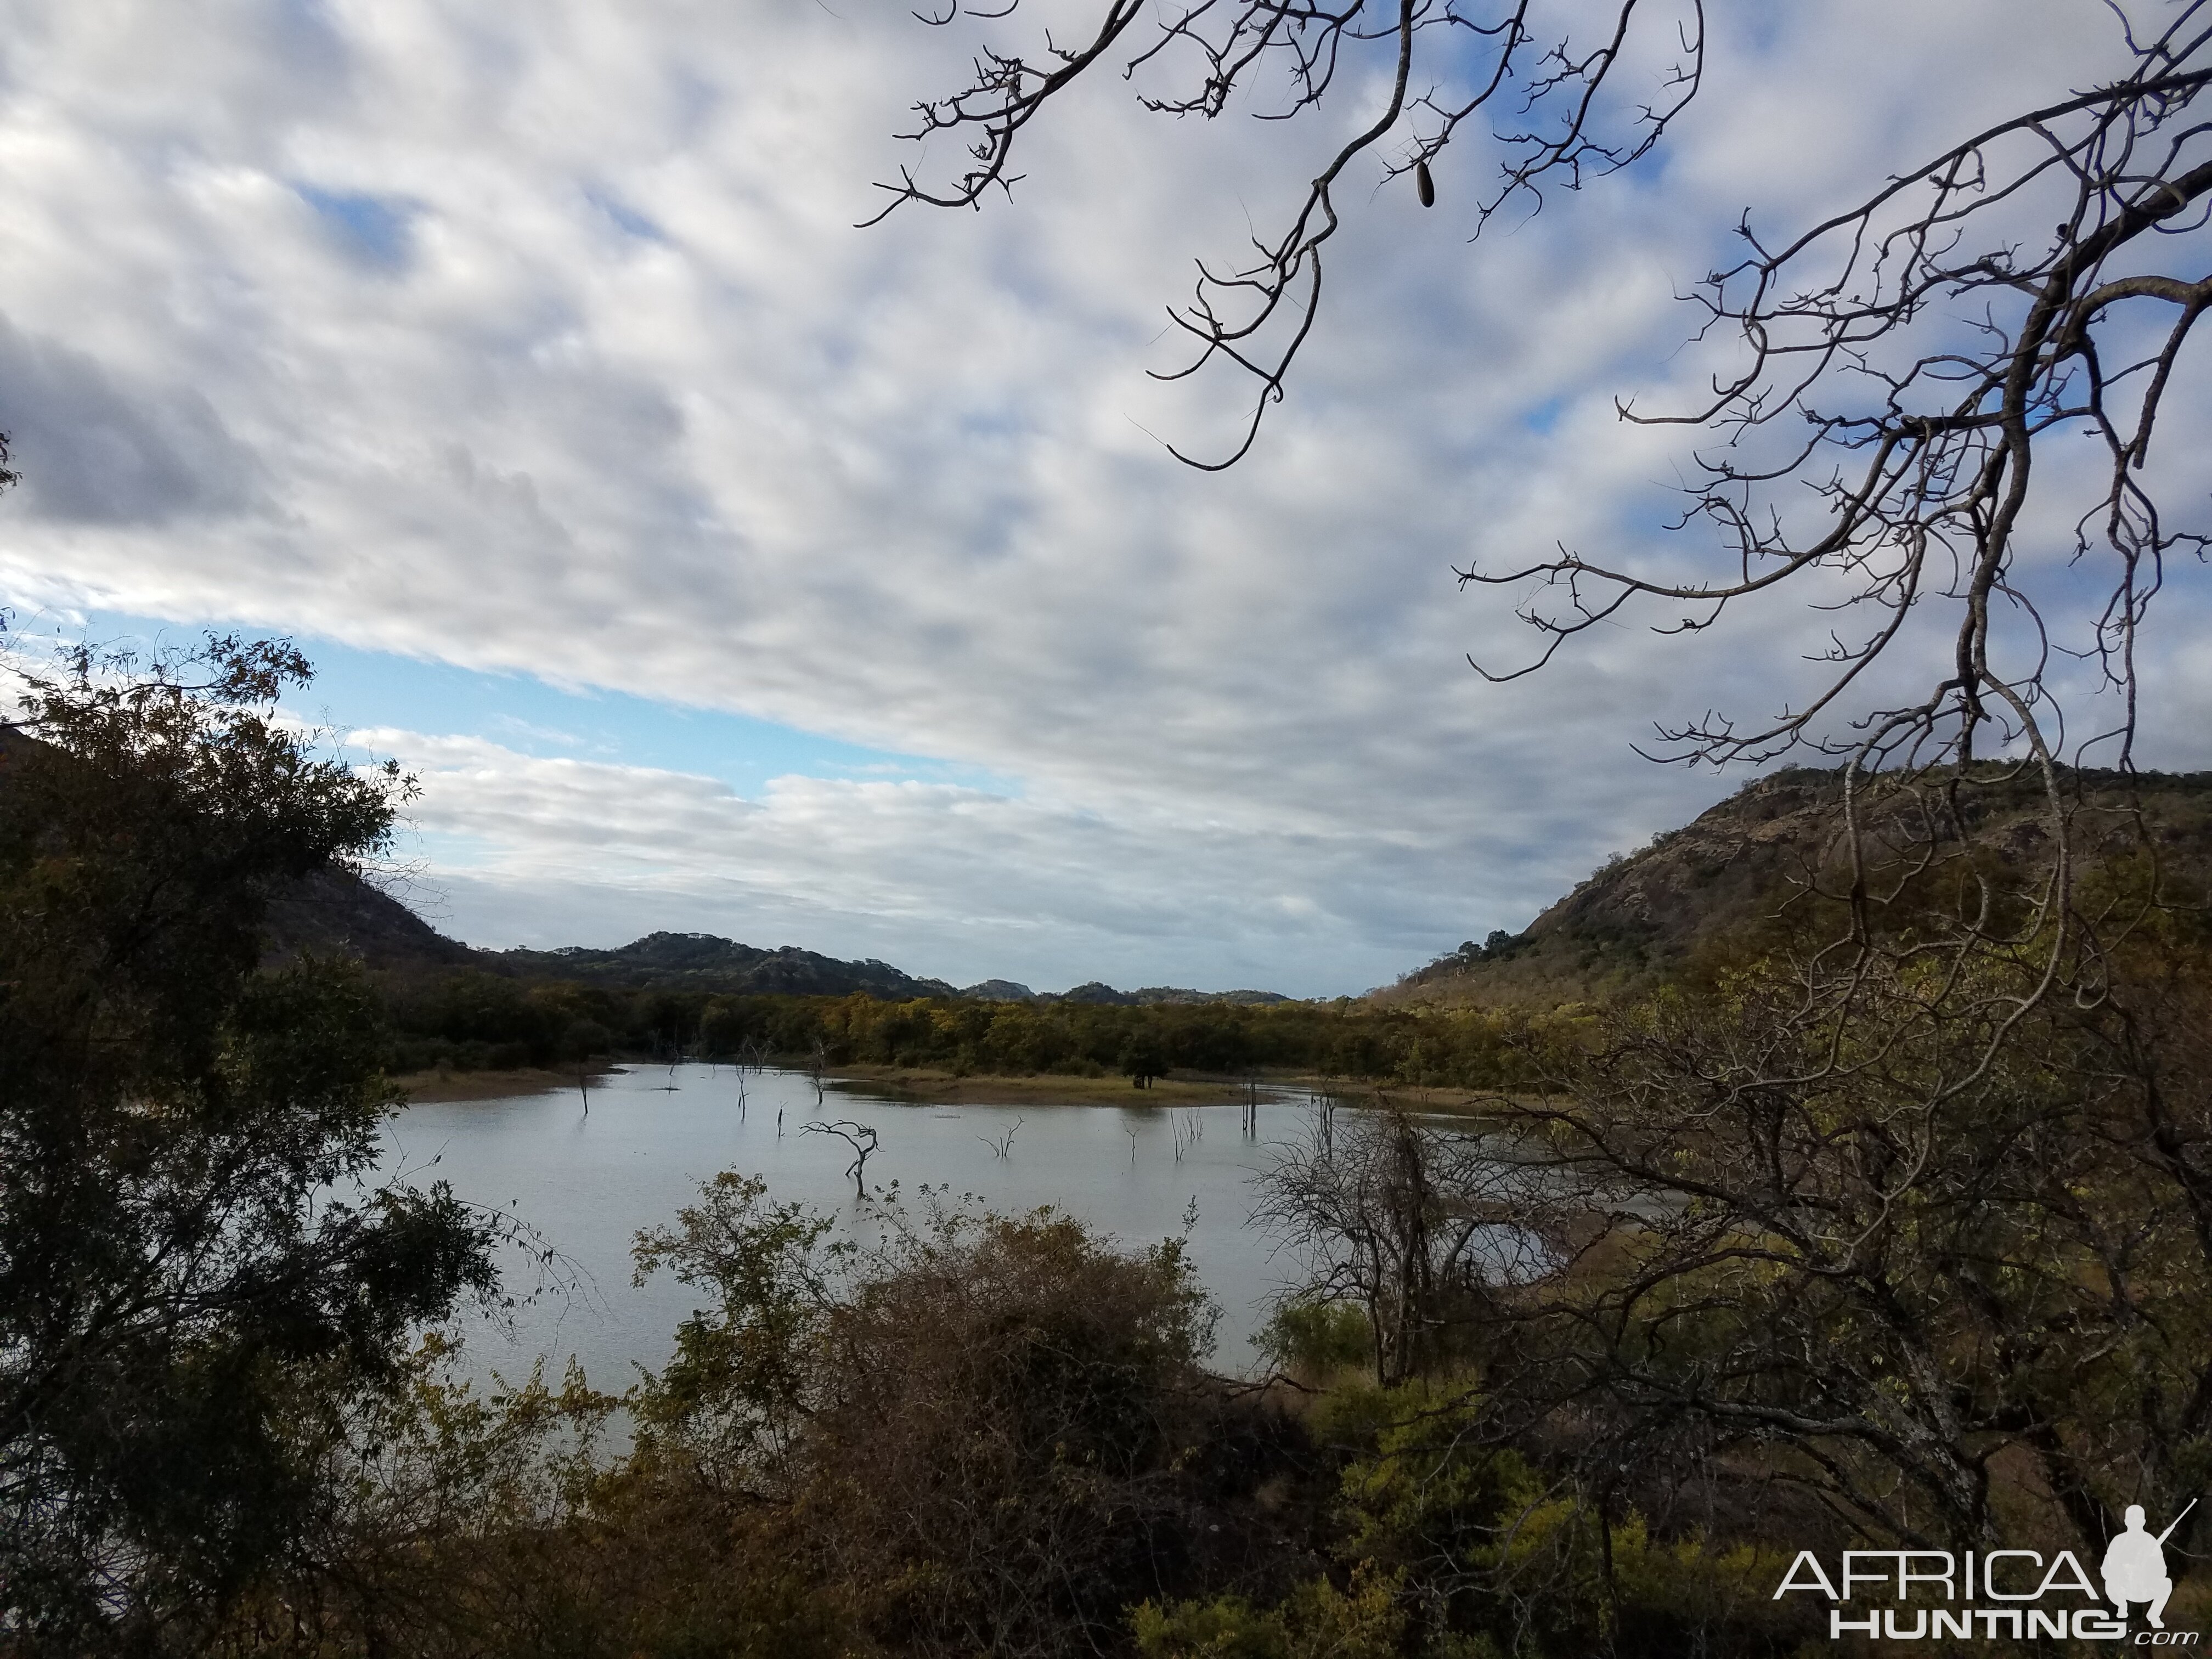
(859, 1137)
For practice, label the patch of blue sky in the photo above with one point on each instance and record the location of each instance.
(421, 851)
(626, 219)
(356, 689)
(999, 420)
(374, 229)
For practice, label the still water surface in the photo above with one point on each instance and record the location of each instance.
(588, 1181)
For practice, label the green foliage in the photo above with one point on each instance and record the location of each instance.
(499, 1526)
(1977, 1255)
(969, 1433)
(1316, 1621)
(1227, 1627)
(1315, 1340)
(744, 1374)
(1430, 1502)
(476, 1020)
(1451, 1545)
(1142, 1059)
(196, 1282)
(1005, 1407)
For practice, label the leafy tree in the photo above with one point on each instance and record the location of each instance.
(197, 1276)
(1142, 1059)
(738, 1386)
(1316, 1621)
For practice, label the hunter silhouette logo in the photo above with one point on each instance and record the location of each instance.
(1999, 1594)
(2135, 1566)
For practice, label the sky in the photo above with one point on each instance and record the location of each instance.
(717, 566)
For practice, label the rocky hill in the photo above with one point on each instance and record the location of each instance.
(336, 910)
(1151, 995)
(1649, 916)
(703, 962)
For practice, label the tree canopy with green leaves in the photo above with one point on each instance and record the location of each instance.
(199, 1272)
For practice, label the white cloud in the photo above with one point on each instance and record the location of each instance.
(958, 882)
(538, 339)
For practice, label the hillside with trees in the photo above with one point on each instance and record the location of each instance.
(703, 962)
(1755, 869)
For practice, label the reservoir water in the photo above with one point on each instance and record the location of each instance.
(589, 1180)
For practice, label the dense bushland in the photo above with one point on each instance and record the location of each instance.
(932, 1431)
(473, 1019)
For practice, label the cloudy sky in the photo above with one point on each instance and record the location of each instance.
(719, 566)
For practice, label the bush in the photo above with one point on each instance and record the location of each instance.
(980, 1428)
(1313, 1341)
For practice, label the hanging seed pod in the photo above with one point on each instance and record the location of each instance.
(1423, 186)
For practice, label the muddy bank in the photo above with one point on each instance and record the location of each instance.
(495, 1085)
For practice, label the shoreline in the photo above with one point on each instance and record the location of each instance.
(425, 1088)
(925, 1085)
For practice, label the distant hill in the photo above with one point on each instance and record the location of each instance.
(998, 990)
(1098, 993)
(336, 910)
(703, 962)
(1645, 918)
(1630, 927)
(1151, 995)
